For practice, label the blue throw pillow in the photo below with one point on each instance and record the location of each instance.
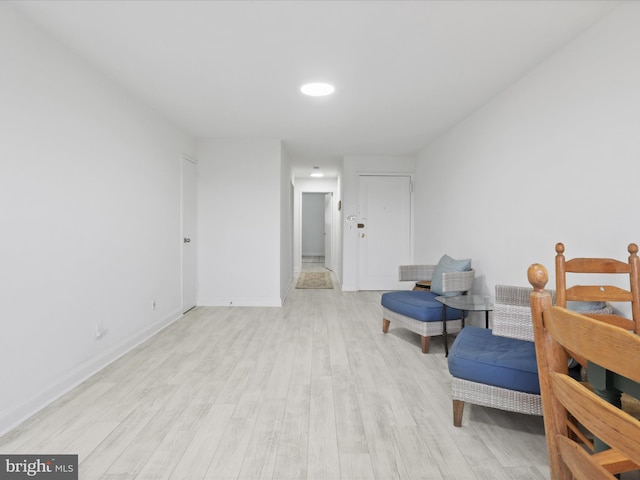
(582, 307)
(447, 264)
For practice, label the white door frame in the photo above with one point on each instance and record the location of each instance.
(359, 265)
(324, 193)
(298, 220)
(188, 219)
(329, 243)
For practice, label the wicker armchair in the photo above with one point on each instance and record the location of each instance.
(431, 324)
(505, 356)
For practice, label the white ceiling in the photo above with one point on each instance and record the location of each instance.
(404, 71)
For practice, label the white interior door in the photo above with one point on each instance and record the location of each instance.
(189, 212)
(328, 231)
(384, 230)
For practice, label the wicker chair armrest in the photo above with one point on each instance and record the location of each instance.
(512, 321)
(512, 313)
(457, 281)
(415, 272)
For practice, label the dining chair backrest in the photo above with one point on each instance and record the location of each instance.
(558, 334)
(599, 292)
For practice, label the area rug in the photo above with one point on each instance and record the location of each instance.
(314, 280)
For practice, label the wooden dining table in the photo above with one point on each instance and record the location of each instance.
(609, 386)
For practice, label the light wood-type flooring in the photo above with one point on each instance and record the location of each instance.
(313, 390)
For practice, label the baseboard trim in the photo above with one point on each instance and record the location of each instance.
(13, 417)
(287, 290)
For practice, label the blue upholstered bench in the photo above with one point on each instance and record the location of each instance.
(418, 310)
(419, 306)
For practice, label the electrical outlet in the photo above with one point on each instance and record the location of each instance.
(100, 331)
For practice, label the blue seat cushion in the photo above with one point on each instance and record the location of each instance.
(479, 356)
(418, 304)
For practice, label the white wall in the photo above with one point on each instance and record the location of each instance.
(239, 214)
(313, 224)
(554, 158)
(353, 167)
(90, 215)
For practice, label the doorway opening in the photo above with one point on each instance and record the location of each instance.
(316, 230)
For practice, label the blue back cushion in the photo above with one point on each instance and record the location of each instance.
(582, 307)
(447, 264)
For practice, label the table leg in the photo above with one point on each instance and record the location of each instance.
(601, 380)
(444, 330)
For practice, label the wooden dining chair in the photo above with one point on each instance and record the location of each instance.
(598, 292)
(559, 333)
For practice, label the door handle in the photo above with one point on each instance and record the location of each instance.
(186, 240)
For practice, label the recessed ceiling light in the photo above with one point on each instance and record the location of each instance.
(317, 89)
(316, 172)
